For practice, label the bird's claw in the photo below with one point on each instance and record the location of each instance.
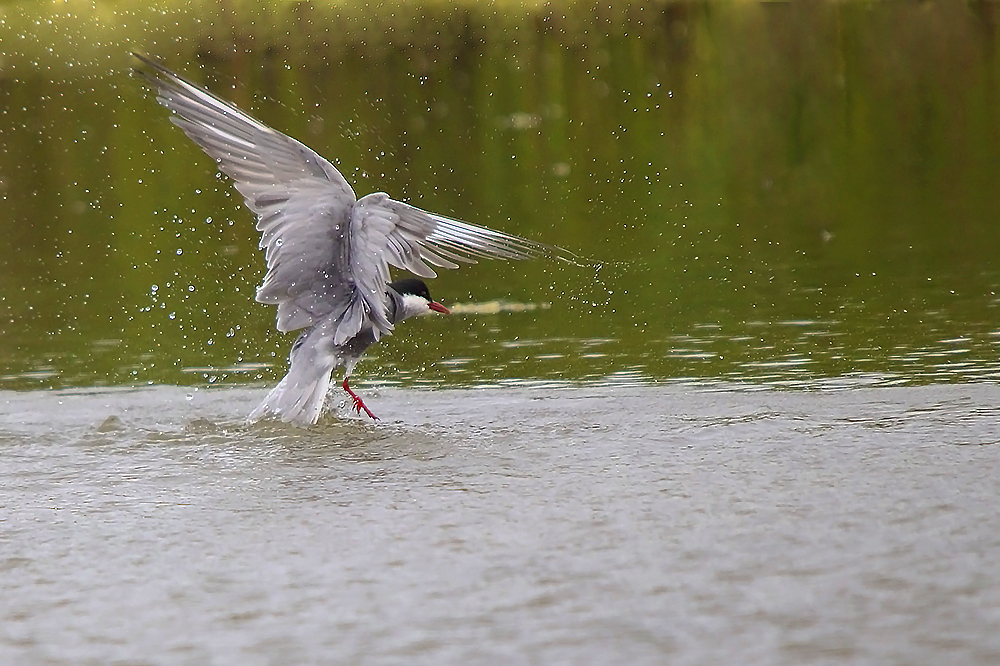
(359, 405)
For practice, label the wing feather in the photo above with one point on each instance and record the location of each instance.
(328, 254)
(413, 236)
(302, 202)
(385, 232)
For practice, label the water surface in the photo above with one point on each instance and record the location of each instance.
(687, 524)
(759, 429)
(774, 193)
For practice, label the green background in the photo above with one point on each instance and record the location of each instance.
(792, 194)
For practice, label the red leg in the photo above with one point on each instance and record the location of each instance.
(358, 403)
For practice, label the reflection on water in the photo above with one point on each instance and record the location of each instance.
(783, 195)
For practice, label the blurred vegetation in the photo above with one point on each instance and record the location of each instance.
(779, 192)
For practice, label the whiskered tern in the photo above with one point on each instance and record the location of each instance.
(328, 253)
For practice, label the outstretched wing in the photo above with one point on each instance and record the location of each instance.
(385, 232)
(302, 202)
(328, 254)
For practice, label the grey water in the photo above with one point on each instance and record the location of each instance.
(683, 524)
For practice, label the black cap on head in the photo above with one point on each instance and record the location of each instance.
(411, 286)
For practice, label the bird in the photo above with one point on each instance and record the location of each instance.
(328, 252)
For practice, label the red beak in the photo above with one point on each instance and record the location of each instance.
(437, 307)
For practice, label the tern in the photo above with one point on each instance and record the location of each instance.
(328, 252)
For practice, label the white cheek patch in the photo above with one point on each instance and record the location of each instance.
(415, 305)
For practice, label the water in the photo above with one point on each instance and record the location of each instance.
(760, 432)
(688, 524)
(774, 194)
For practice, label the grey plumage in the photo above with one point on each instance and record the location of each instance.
(327, 252)
(298, 397)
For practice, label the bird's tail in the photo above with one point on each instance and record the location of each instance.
(298, 397)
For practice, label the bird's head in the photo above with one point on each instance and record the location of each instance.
(416, 298)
